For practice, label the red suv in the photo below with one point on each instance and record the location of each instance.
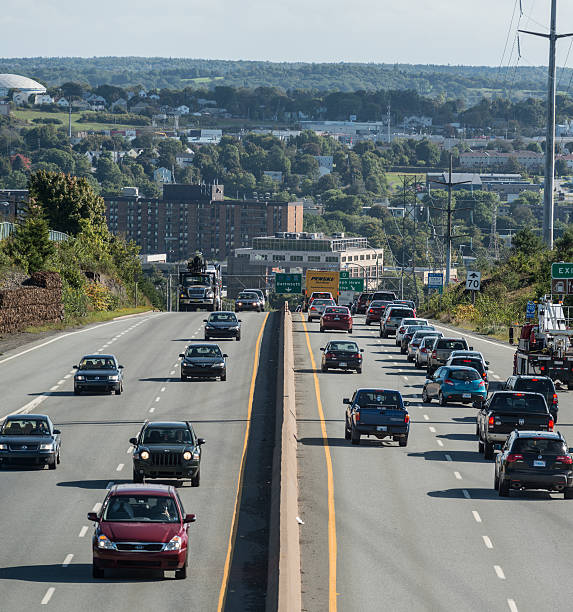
(141, 527)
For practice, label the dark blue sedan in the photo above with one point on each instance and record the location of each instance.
(29, 439)
(98, 373)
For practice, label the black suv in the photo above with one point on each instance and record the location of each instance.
(534, 460)
(536, 384)
(167, 449)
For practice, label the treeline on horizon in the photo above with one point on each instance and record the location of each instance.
(469, 83)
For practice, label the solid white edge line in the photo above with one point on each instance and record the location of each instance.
(83, 531)
(476, 516)
(67, 560)
(499, 572)
(512, 605)
(488, 543)
(48, 596)
(468, 335)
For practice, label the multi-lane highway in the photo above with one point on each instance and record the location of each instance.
(421, 527)
(45, 557)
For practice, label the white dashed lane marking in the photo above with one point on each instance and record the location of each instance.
(162, 389)
(152, 409)
(119, 467)
(426, 417)
(440, 443)
(48, 596)
(130, 450)
(172, 372)
(97, 507)
(67, 376)
(61, 382)
(476, 516)
(67, 560)
(488, 543)
(499, 572)
(458, 475)
(512, 605)
(54, 388)
(157, 399)
(432, 429)
(83, 531)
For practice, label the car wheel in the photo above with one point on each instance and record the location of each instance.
(119, 391)
(77, 391)
(181, 574)
(138, 478)
(480, 446)
(346, 430)
(367, 322)
(238, 337)
(568, 493)
(488, 451)
(207, 337)
(358, 370)
(503, 488)
(384, 334)
(53, 465)
(354, 436)
(409, 358)
(58, 457)
(322, 329)
(97, 572)
(224, 377)
(350, 331)
(196, 479)
(403, 441)
(426, 398)
(183, 377)
(442, 399)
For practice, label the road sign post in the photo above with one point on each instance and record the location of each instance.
(288, 283)
(473, 284)
(435, 282)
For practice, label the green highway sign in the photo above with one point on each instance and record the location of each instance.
(351, 284)
(288, 283)
(562, 270)
(344, 274)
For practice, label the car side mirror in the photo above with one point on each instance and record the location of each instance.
(92, 516)
(75, 367)
(181, 354)
(471, 348)
(346, 400)
(120, 367)
(361, 350)
(322, 348)
(240, 320)
(57, 432)
(189, 518)
(487, 363)
(204, 320)
(201, 441)
(133, 441)
(225, 355)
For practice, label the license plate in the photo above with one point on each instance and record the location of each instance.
(343, 364)
(382, 428)
(337, 318)
(467, 395)
(538, 463)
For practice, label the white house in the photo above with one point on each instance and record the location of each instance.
(183, 110)
(142, 93)
(183, 160)
(162, 175)
(43, 99)
(63, 103)
(21, 97)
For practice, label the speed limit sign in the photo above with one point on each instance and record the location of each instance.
(473, 281)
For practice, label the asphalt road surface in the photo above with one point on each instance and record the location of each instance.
(45, 555)
(421, 527)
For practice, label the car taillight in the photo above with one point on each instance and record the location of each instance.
(329, 355)
(423, 350)
(401, 330)
(407, 418)
(484, 375)
(555, 398)
(481, 383)
(370, 310)
(357, 356)
(312, 308)
(567, 459)
(357, 415)
(490, 421)
(551, 424)
(448, 381)
(542, 368)
(434, 354)
(511, 458)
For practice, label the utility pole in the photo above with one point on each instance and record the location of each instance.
(548, 203)
(449, 184)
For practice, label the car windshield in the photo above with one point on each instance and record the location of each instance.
(517, 402)
(477, 364)
(451, 344)
(25, 427)
(203, 351)
(343, 346)
(196, 280)
(335, 310)
(541, 446)
(248, 296)
(166, 435)
(464, 375)
(97, 363)
(537, 386)
(225, 317)
(141, 509)
(388, 399)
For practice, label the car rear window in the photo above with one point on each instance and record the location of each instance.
(469, 363)
(539, 446)
(517, 403)
(400, 313)
(537, 386)
(384, 295)
(338, 310)
(343, 346)
(464, 375)
(388, 399)
(452, 344)
(411, 329)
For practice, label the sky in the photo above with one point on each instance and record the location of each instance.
(410, 31)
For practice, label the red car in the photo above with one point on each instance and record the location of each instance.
(141, 527)
(336, 317)
(375, 311)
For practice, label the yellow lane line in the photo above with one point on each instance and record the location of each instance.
(233, 533)
(330, 479)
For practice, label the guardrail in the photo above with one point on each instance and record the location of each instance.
(7, 228)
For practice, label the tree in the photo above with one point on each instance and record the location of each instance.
(66, 201)
(561, 167)
(30, 245)
(526, 242)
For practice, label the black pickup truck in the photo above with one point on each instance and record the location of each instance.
(505, 411)
(376, 412)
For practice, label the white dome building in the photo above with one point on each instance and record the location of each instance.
(22, 86)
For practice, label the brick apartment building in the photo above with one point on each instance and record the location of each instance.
(197, 217)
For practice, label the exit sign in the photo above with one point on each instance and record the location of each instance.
(562, 270)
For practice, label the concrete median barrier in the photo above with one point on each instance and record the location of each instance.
(284, 582)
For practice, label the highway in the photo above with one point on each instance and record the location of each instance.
(45, 557)
(421, 527)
